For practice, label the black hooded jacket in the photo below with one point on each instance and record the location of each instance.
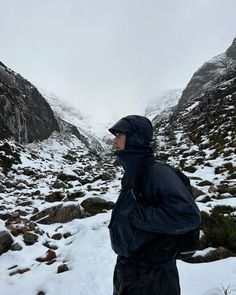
(136, 228)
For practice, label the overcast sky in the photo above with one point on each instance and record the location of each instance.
(112, 56)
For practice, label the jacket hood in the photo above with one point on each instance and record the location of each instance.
(138, 130)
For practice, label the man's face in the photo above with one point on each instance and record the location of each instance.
(119, 141)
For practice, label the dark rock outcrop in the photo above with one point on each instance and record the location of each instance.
(208, 76)
(24, 114)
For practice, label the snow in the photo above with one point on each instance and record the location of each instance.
(190, 108)
(162, 103)
(91, 262)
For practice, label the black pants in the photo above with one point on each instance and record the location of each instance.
(131, 277)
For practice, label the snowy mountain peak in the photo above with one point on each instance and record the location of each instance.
(162, 103)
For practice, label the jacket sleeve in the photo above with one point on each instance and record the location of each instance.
(177, 212)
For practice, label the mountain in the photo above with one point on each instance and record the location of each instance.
(209, 76)
(200, 135)
(26, 116)
(93, 133)
(24, 113)
(163, 104)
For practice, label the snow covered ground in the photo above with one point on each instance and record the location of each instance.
(91, 262)
(87, 251)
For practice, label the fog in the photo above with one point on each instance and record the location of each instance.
(109, 58)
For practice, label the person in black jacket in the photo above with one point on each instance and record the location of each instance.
(142, 232)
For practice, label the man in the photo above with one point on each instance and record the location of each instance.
(142, 231)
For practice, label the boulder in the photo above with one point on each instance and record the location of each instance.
(95, 205)
(197, 192)
(59, 184)
(5, 241)
(75, 195)
(50, 255)
(30, 238)
(62, 268)
(213, 255)
(66, 177)
(54, 197)
(58, 214)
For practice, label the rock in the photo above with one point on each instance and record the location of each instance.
(10, 184)
(16, 247)
(5, 241)
(75, 195)
(41, 293)
(2, 189)
(32, 225)
(54, 197)
(30, 238)
(107, 176)
(212, 189)
(15, 214)
(36, 193)
(213, 255)
(190, 169)
(57, 236)
(60, 214)
(50, 246)
(22, 212)
(65, 177)
(27, 171)
(35, 210)
(225, 188)
(197, 192)
(21, 186)
(224, 196)
(50, 255)
(5, 216)
(67, 235)
(26, 203)
(19, 271)
(205, 183)
(62, 268)
(95, 205)
(203, 199)
(59, 184)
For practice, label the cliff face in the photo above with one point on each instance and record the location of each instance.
(209, 76)
(24, 114)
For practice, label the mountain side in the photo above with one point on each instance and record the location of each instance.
(91, 133)
(200, 136)
(163, 104)
(24, 114)
(209, 75)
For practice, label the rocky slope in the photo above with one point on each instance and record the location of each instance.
(53, 181)
(199, 136)
(209, 76)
